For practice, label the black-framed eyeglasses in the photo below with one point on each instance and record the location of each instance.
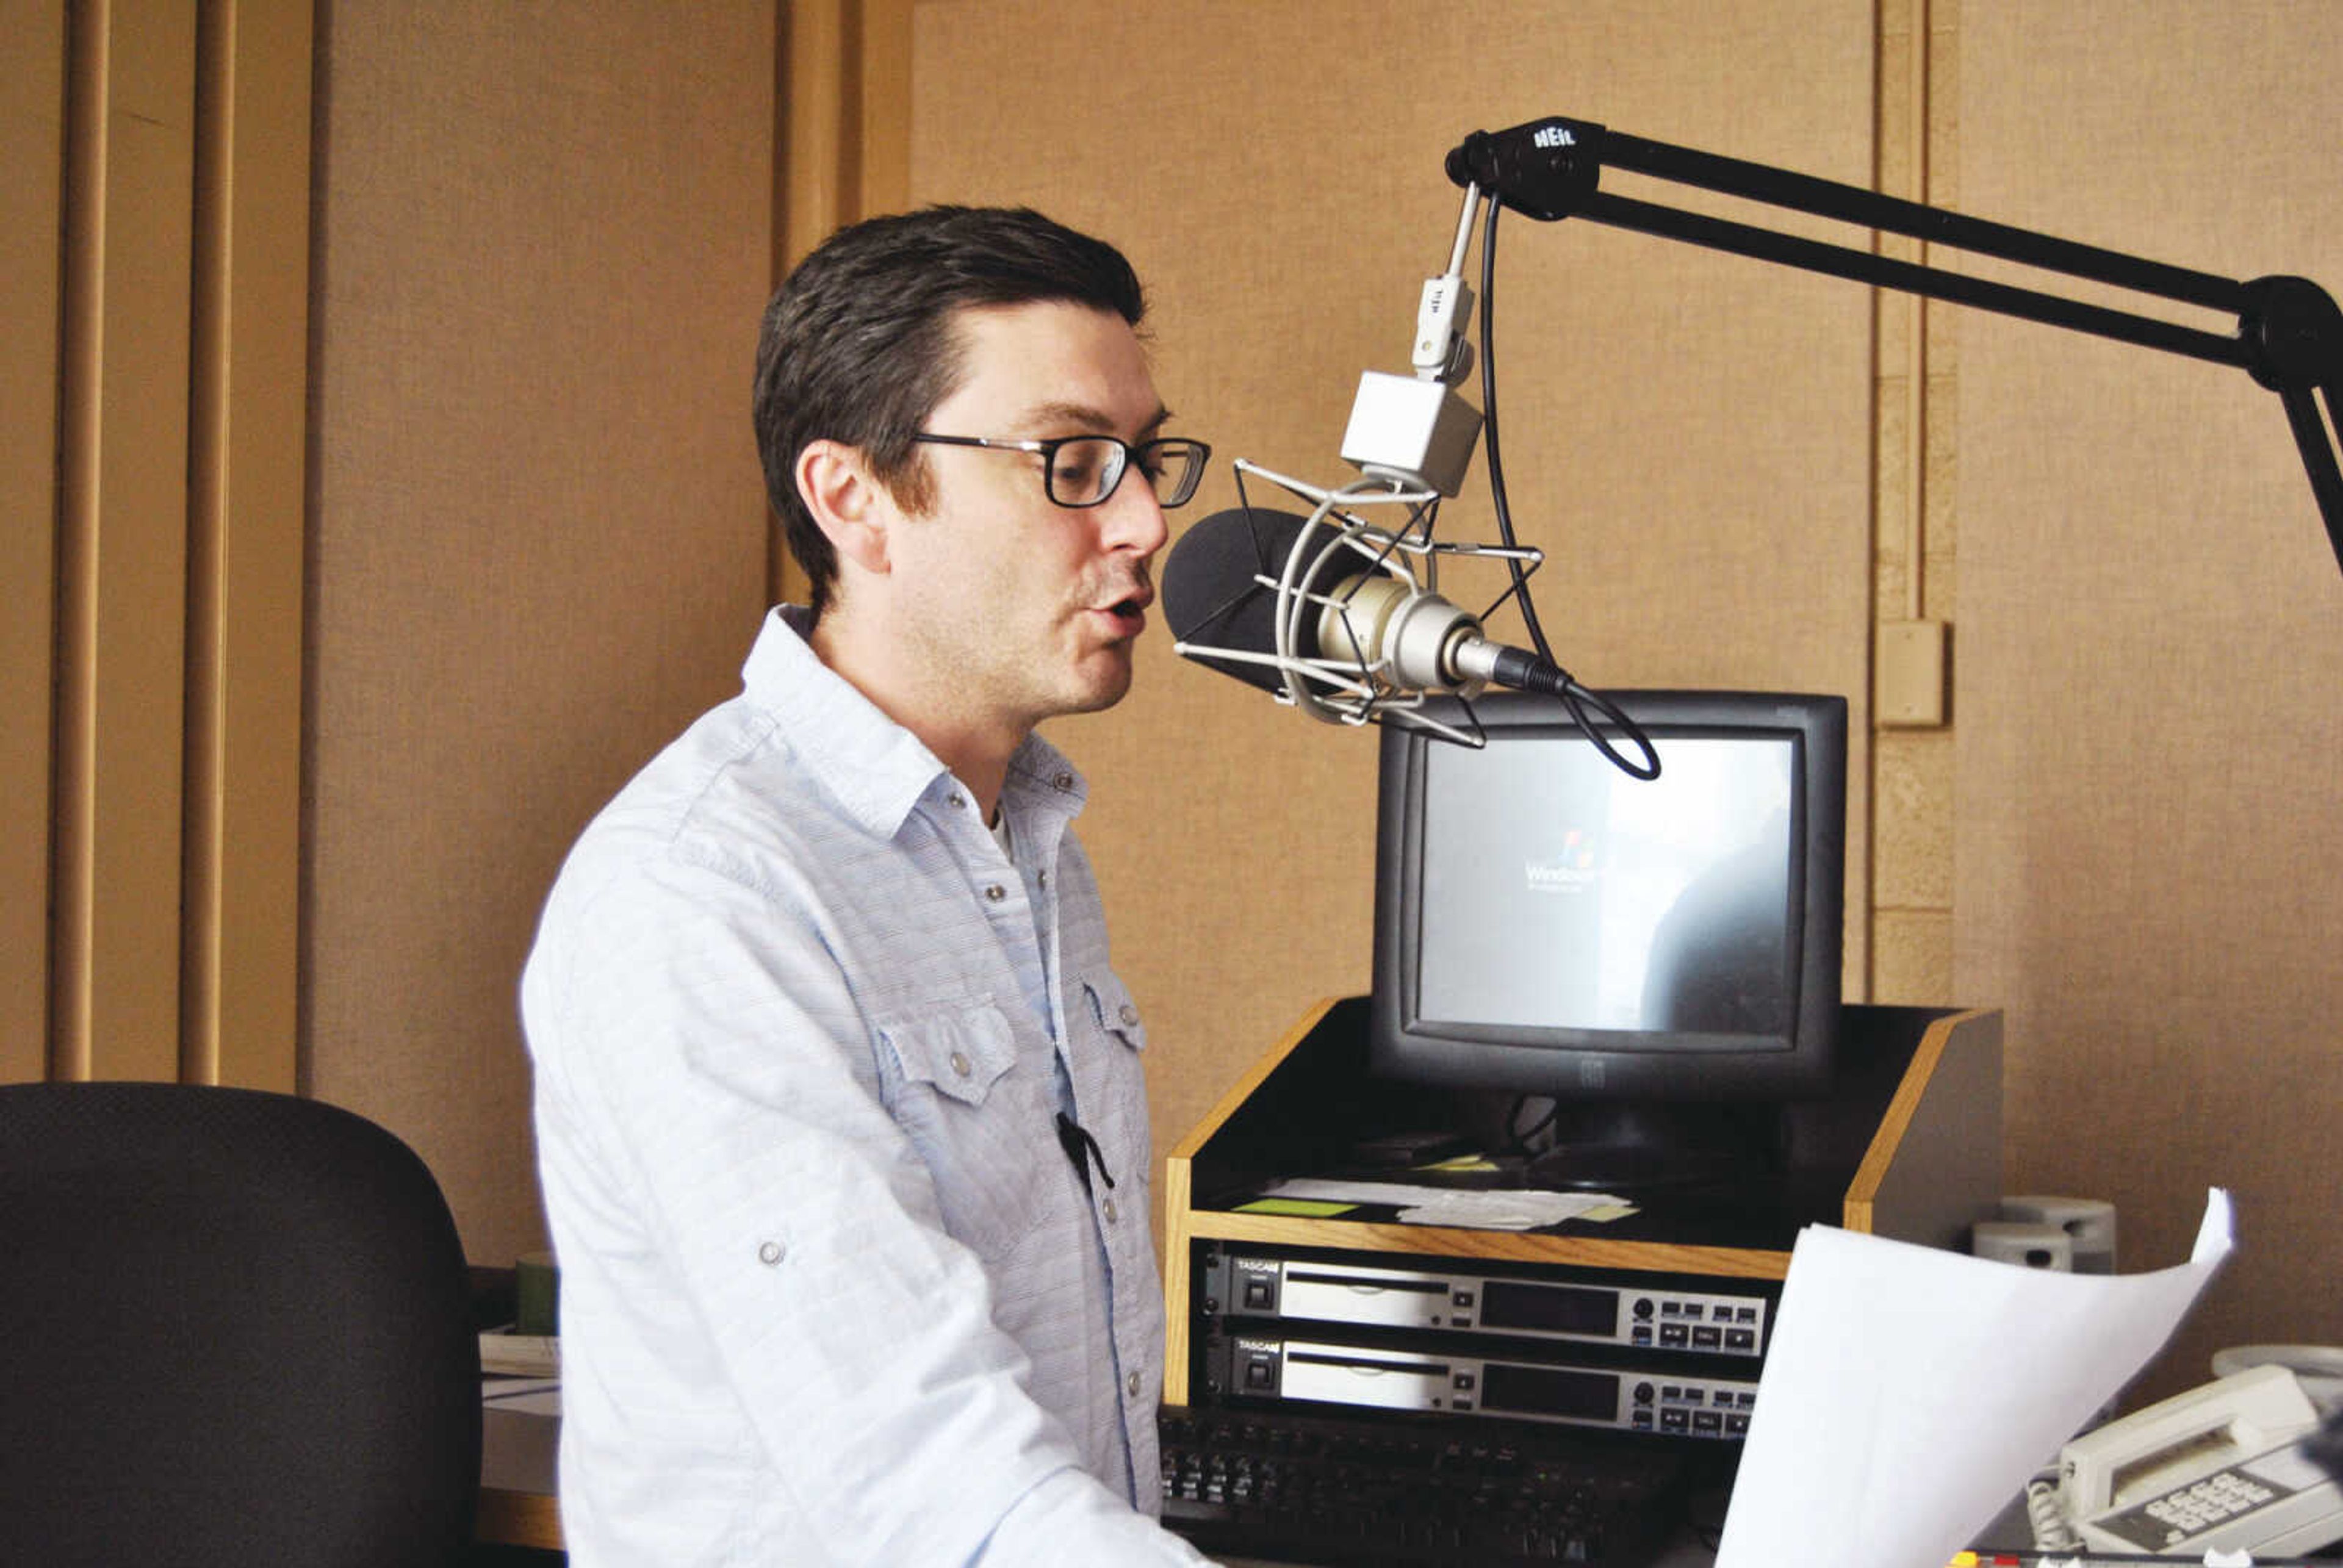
(1083, 470)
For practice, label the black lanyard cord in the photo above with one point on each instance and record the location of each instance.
(1082, 1150)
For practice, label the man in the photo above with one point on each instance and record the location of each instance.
(839, 1109)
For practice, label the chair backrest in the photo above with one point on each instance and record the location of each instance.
(234, 1328)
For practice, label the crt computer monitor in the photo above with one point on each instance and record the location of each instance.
(1547, 923)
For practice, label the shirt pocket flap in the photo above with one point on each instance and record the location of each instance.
(961, 1054)
(1112, 1010)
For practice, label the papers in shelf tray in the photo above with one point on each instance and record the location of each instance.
(1492, 1208)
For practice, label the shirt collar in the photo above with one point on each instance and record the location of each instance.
(877, 769)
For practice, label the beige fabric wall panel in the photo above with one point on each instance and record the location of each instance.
(1687, 434)
(539, 527)
(2148, 842)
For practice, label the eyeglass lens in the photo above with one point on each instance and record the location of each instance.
(1084, 471)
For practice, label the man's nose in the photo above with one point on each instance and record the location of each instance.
(1134, 519)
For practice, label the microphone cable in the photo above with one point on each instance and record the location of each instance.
(1578, 699)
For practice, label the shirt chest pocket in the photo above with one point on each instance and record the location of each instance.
(1111, 1010)
(977, 1117)
(1116, 1039)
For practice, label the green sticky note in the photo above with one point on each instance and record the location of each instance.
(1296, 1208)
(1466, 1164)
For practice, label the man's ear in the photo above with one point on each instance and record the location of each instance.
(849, 504)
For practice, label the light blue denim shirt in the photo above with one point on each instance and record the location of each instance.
(832, 1290)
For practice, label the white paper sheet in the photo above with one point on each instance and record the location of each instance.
(1909, 1392)
(1480, 1209)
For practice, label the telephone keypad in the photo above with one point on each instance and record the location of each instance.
(2191, 1511)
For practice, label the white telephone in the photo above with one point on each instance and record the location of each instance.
(2217, 1469)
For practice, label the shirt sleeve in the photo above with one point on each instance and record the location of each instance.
(1065, 1521)
(708, 1048)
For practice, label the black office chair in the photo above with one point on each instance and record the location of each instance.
(235, 1330)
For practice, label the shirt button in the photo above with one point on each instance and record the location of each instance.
(1129, 1014)
(1063, 780)
(959, 1062)
(1042, 877)
(771, 1252)
(995, 892)
(956, 800)
(1109, 1207)
(1130, 1385)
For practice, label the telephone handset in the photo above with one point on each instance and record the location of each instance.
(2219, 1468)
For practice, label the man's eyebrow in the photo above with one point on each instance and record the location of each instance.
(1085, 416)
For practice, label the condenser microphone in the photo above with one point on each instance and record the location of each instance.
(1364, 618)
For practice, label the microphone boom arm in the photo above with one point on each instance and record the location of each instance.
(2290, 334)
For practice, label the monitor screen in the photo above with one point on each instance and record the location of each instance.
(1547, 922)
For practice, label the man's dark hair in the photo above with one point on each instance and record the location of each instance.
(858, 345)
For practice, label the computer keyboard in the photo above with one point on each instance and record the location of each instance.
(1296, 1488)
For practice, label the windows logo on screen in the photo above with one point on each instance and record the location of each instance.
(1573, 868)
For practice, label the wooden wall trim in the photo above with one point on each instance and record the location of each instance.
(180, 383)
(246, 534)
(32, 152)
(844, 142)
(1903, 951)
(122, 540)
(815, 168)
(846, 119)
(883, 76)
